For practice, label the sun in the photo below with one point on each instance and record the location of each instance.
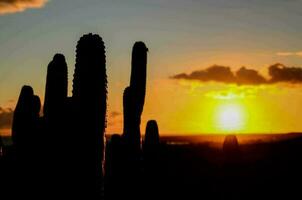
(230, 117)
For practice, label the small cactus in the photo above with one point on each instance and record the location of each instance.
(151, 142)
(231, 150)
(230, 144)
(151, 134)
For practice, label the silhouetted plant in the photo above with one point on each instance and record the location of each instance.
(133, 103)
(36, 127)
(230, 144)
(90, 101)
(1, 147)
(138, 74)
(36, 107)
(151, 146)
(24, 116)
(56, 88)
(231, 149)
(25, 130)
(128, 112)
(151, 134)
(134, 96)
(114, 149)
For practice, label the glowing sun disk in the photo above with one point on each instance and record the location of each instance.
(230, 117)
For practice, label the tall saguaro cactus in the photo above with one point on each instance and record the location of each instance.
(90, 101)
(139, 73)
(56, 87)
(55, 151)
(134, 96)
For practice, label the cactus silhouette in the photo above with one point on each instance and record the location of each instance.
(24, 135)
(134, 96)
(55, 103)
(231, 150)
(90, 101)
(151, 145)
(1, 147)
(23, 118)
(151, 134)
(138, 74)
(133, 103)
(152, 159)
(230, 144)
(128, 112)
(56, 87)
(36, 107)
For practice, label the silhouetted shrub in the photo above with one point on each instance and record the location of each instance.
(56, 88)
(90, 101)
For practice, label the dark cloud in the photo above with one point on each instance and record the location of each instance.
(244, 76)
(281, 73)
(213, 73)
(249, 77)
(6, 116)
(13, 6)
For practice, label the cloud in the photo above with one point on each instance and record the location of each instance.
(244, 76)
(6, 116)
(289, 53)
(225, 75)
(13, 6)
(114, 114)
(249, 77)
(214, 73)
(281, 73)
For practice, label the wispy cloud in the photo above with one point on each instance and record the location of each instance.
(114, 114)
(289, 53)
(13, 6)
(6, 116)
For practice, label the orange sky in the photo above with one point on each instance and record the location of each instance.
(185, 37)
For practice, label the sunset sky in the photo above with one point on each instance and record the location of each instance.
(182, 37)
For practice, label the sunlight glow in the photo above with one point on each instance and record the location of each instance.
(230, 117)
